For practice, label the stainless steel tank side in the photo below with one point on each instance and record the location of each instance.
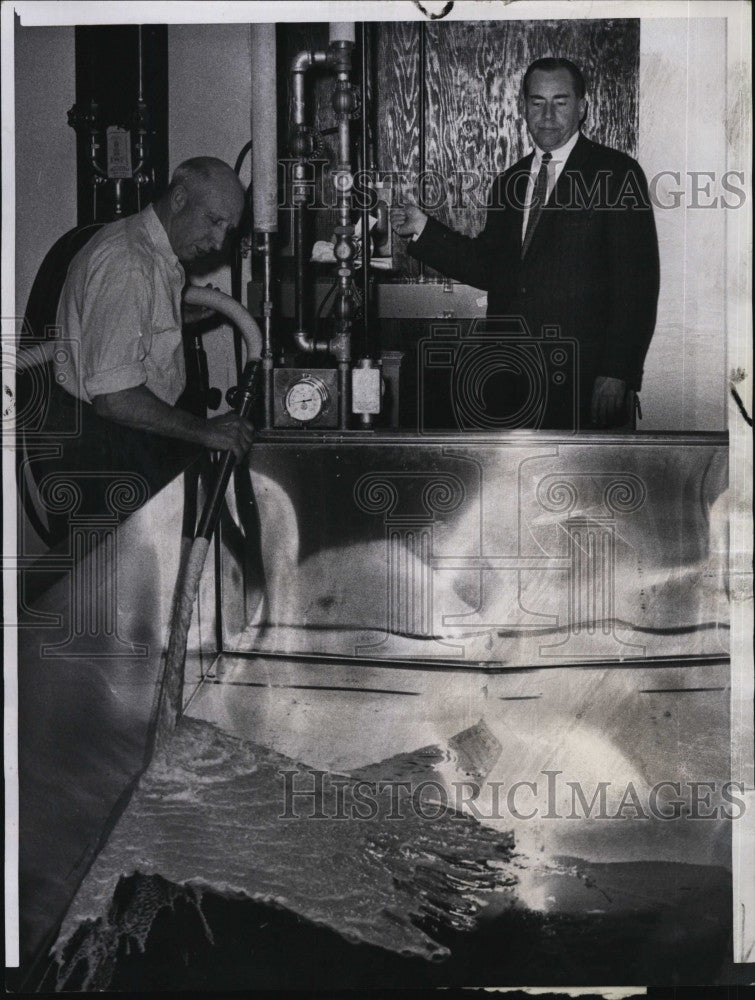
(495, 550)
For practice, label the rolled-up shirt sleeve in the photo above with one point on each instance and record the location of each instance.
(116, 328)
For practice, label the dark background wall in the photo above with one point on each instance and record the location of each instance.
(107, 73)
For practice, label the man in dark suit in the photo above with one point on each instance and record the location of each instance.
(569, 241)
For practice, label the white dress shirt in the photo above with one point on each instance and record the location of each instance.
(120, 310)
(556, 165)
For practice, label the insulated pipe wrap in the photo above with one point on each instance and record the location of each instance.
(264, 130)
(195, 295)
(342, 31)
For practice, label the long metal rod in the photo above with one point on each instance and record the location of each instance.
(218, 594)
(300, 271)
(299, 148)
(267, 329)
(141, 68)
(301, 63)
(418, 663)
(366, 165)
(504, 439)
(340, 56)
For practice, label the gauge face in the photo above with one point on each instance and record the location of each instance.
(305, 400)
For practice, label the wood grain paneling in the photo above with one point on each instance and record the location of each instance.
(398, 83)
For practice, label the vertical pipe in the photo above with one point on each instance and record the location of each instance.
(264, 125)
(300, 268)
(365, 210)
(342, 31)
(301, 148)
(340, 59)
(344, 254)
(267, 330)
(141, 68)
(264, 129)
(344, 394)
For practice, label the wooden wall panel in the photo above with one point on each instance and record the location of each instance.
(397, 111)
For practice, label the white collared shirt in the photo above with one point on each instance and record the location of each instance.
(120, 311)
(556, 165)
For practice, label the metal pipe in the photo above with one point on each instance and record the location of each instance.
(307, 344)
(338, 58)
(264, 123)
(300, 146)
(342, 31)
(236, 265)
(141, 68)
(301, 62)
(302, 339)
(364, 33)
(299, 272)
(340, 54)
(344, 394)
(267, 330)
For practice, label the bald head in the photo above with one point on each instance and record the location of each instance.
(202, 206)
(202, 172)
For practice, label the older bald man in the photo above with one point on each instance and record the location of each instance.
(120, 314)
(121, 308)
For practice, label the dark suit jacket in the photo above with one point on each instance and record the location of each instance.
(591, 268)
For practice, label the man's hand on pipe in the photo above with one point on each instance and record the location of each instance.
(191, 314)
(229, 432)
(608, 399)
(408, 219)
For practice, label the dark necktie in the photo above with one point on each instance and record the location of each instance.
(539, 196)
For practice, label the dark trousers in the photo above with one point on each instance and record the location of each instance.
(82, 465)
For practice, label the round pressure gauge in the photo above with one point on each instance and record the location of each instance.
(306, 399)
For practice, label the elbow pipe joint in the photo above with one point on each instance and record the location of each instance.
(307, 344)
(301, 62)
(307, 58)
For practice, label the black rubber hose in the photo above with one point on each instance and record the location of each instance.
(214, 502)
